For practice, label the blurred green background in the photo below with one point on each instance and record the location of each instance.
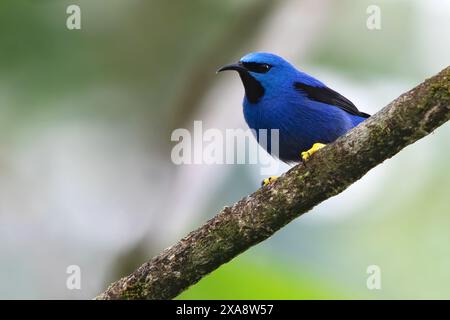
(86, 116)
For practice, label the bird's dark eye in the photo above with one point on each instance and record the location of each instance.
(257, 67)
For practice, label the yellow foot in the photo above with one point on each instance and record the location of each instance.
(307, 154)
(269, 180)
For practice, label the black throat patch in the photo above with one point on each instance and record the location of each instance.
(254, 91)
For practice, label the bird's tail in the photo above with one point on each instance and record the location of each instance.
(364, 115)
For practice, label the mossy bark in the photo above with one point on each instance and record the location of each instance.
(256, 217)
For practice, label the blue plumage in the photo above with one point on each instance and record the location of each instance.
(306, 111)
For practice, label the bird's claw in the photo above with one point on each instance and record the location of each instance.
(269, 180)
(308, 153)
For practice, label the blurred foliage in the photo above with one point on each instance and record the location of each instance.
(353, 49)
(255, 277)
(141, 49)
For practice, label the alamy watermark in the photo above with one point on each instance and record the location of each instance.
(230, 146)
(73, 21)
(73, 281)
(373, 281)
(373, 21)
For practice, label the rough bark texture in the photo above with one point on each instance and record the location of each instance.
(256, 217)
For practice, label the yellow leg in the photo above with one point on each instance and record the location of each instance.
(269, 180)
(307, 154)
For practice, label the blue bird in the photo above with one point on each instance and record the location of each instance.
(306, 112)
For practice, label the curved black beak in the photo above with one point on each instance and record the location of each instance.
(234, 66)
(253, 89)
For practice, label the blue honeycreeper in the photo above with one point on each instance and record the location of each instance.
(306, 112)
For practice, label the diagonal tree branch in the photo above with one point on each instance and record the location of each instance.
(255, 218)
